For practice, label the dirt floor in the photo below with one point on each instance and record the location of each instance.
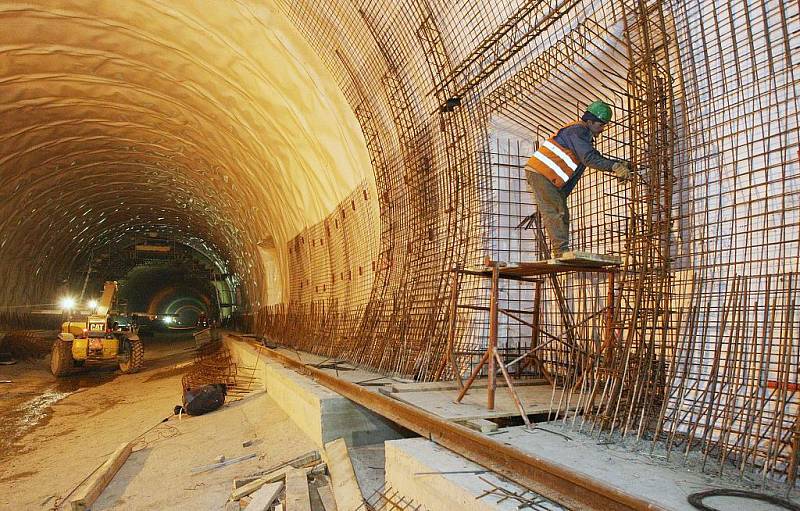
(55, 433)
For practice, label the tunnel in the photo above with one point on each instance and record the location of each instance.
(347, 179)
(207, 129)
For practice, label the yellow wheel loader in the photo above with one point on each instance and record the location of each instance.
(98, 339)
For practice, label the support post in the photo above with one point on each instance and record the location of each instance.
(535, 321)
(472, 377)
(532, 357)
(517, 401)
(492, 349)
(536, 333)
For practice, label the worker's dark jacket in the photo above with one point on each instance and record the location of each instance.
(563, 157)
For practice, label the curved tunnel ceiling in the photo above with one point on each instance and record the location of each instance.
(212, 124)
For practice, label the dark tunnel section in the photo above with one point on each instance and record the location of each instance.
(168, 297)
(163, 284)
(166, 285)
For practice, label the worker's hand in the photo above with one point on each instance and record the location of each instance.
(622, 169)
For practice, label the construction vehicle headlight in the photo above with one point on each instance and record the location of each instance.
(168, 319)
(67, 303)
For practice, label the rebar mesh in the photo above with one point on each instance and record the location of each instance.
(453, 98)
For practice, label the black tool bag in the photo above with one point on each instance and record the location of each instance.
(204, 399)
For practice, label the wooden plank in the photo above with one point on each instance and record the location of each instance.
(272, 477)
(264, 497)
(481, 425)
(88, 492)
(581, 257)
(238, 482)
(535, 398)
(327, 498)
(343, 478)
(297, 497)
(451, 385)
(514, 270)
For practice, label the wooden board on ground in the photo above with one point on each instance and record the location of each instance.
(343, 478)
(481, 425)
(297, 497)
(327, 498)
(272, 477)
(265, 496)
(535, 398)
(89, 491)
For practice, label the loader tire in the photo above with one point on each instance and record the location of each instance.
(135, 357)
(61, 362)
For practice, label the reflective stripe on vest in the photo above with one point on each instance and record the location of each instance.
(554, 162)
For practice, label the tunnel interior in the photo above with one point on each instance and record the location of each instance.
(324, 174)
(217, 130)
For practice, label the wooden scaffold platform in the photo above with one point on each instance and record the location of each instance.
(534, 273)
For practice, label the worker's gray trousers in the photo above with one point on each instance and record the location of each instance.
(552, 204)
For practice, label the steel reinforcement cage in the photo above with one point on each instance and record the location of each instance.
(453, 97)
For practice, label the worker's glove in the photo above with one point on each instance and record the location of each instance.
(622, 169)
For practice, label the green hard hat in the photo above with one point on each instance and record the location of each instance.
(601, 110)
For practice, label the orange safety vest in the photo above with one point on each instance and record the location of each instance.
(554, 161)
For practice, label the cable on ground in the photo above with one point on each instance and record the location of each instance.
(696, 499)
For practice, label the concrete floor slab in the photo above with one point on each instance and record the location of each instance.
(344, 370)
(159, 474)
(441, 480)
(369, 465)
(628, 467)
(409, 462)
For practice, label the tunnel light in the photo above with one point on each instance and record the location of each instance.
(92, 304)
(67, 303)
(168, 319)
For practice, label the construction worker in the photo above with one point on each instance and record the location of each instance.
(555, 168)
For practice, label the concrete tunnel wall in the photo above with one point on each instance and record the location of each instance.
(212, 123)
